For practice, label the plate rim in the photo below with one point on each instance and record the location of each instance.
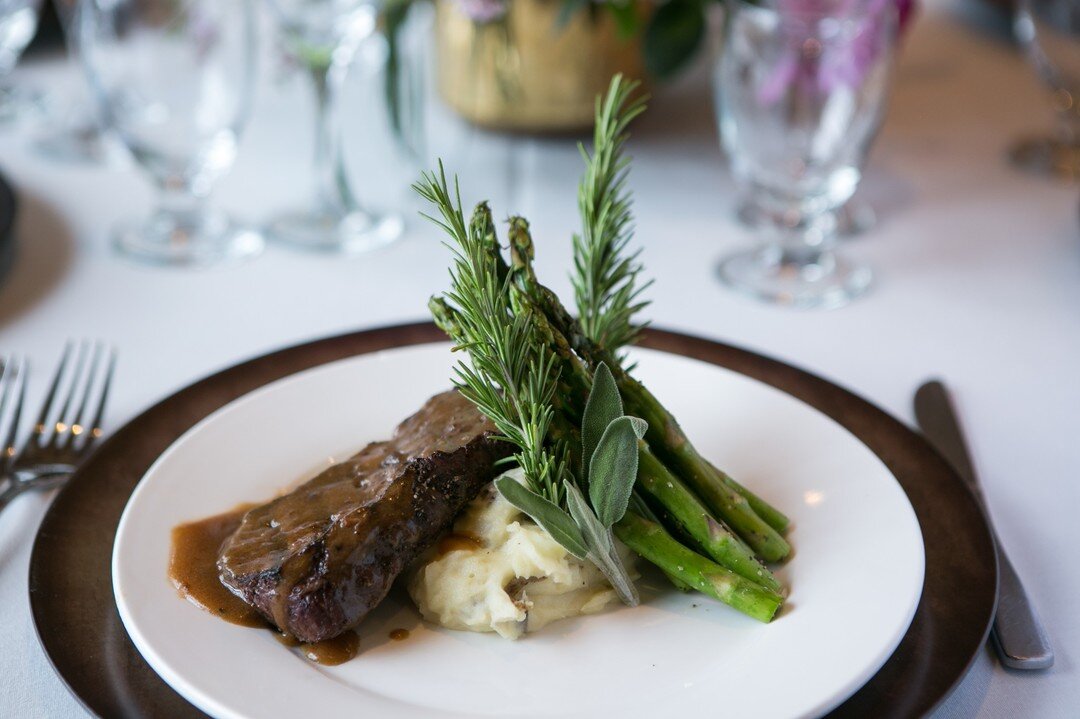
(229, 384)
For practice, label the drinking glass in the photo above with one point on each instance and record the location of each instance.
(323, 35)
(77, 137)
(800, 87)
(174, 80)
(18, 23)
(1050, 30)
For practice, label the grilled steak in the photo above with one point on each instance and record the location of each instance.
(315, 561)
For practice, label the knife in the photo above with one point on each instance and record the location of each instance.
(1017, 633)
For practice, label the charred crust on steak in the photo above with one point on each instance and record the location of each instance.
(315, 561)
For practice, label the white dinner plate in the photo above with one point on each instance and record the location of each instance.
(855, 578)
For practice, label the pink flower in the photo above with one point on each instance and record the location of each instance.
(822, 65)
(483, 11)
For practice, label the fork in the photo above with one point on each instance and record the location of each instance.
(66, 429)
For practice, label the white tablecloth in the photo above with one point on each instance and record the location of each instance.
(978, 270)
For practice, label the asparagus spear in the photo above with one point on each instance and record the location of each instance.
(672, 444)
(654, 478)
(694, 519)
(638, 505)
(606, 273)
(648, 537)
(651, 541)
(661, 483)
(773, 516)
(664, 436)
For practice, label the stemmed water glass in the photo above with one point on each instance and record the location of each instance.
(1050, 30)
(800, 91)
(174, 80)
(18, 23)
(77, 137)
(324, 35)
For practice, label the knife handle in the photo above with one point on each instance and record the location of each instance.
(1018, 635)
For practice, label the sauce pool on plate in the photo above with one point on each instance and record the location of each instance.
(193, 571)
(193, 567)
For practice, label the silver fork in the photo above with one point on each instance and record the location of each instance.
(66, 429)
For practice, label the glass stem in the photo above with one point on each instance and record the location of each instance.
(180, 206)
(332, 190)
(801, 239)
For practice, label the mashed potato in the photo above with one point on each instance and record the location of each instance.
(499, 572)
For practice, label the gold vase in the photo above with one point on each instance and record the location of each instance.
(527, 72)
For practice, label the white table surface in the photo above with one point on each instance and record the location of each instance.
(978, 271)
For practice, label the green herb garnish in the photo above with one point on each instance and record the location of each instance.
(512, 377)
(557, 388)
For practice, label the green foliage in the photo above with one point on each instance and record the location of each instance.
(605, 277)
(674, 35)
(603, 406)
(613, 468)
(512, 375)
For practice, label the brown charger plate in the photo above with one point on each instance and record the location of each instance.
(71, 581)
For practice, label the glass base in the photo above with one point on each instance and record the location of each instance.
(852, 218)
(74, 145)
(187, 240)
(350, 234)
(19, 104)
(810, 279)
(1048, 157)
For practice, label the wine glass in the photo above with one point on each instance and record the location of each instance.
(323, 35)
(1050, 30)
(800, 87)
(18, 23)
(174, 80)
(77, 138)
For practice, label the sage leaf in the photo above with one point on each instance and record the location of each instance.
(603, 406)
(544, 512)
(602, 552)
(596, 535)
(613, 468)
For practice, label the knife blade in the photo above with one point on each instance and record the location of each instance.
(1018, 636)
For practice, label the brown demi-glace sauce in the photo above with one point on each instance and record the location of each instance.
(193, 571)
(334, 651)
(193, 567)
(453, 541)
(399, 635)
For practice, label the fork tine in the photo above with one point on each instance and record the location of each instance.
(96, 351)
(76, 424)
(95, 426)
(46, 406)
(11, 376)
(61, 425)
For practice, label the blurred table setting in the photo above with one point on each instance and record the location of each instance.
(282, 213)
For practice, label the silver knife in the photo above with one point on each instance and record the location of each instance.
(1017, 633)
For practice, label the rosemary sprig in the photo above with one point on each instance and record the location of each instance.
(512, 376)
(605, 276)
